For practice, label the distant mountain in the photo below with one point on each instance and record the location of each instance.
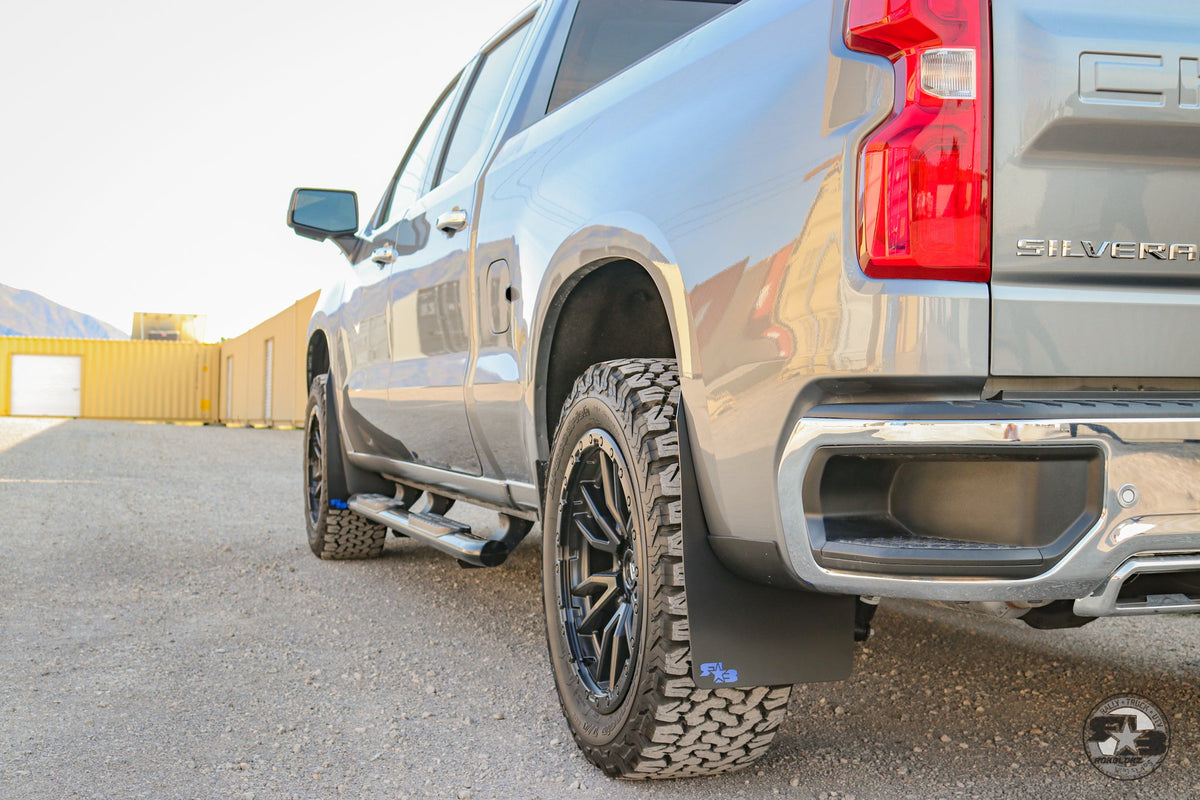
(25, 313)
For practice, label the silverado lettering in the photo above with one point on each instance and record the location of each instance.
(1066, 248)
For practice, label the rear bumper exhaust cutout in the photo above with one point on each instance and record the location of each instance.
(1147, 585)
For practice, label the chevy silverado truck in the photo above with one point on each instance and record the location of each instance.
(765, 310)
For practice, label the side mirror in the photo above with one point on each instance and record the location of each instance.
(323, 213)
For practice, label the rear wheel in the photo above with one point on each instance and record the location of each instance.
(334, 531)
(616, 609)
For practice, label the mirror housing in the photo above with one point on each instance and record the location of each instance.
(323, 213)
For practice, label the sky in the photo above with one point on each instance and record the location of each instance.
(148, 149)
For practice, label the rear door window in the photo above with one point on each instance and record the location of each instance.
(607, 36)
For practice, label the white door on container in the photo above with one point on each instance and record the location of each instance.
(46, 386)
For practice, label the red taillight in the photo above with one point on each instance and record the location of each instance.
(924, 208)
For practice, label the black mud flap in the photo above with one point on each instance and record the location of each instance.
(345, 479)
(747, 634)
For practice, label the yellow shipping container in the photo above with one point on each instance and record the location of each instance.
(173, 381)
(256, 378)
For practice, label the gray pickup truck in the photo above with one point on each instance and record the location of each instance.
(766, 310)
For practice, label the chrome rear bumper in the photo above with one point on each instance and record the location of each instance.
(1150, 504)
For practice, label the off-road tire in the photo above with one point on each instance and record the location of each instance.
(334, 531)
(663, 725)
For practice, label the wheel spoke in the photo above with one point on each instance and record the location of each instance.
(605, 582)
(611, 485)
(608, 650)
(600, 613)
(611, 540)
(620, 642)
(599, 542)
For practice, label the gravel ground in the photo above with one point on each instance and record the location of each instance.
(167, 634)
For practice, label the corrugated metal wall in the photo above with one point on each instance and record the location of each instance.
(173, 381)
(244, 399)
(184, 381)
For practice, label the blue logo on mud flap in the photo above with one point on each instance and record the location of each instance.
(718, 672)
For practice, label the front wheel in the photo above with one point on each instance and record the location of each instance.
(616, 608)
(334, 531)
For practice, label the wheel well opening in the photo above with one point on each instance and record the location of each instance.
(613, 311)
(318, 357)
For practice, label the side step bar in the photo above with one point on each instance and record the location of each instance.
(442, 533)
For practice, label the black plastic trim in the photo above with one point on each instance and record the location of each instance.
(862, 556)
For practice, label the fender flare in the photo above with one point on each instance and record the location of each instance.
(618, 237)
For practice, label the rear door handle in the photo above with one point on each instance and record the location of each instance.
(452, 221)
(384, 255)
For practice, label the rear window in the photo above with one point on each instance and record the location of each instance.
(607, 36)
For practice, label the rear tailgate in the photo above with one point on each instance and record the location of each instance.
(1096, 201)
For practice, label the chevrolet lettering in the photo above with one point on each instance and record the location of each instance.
(1139, 80)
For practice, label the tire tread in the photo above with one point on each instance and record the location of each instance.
(351, 536)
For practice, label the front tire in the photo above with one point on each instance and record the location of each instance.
(334, 531)
(616, 608)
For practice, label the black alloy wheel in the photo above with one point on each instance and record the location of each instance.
(314, 465)
(598, 569)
